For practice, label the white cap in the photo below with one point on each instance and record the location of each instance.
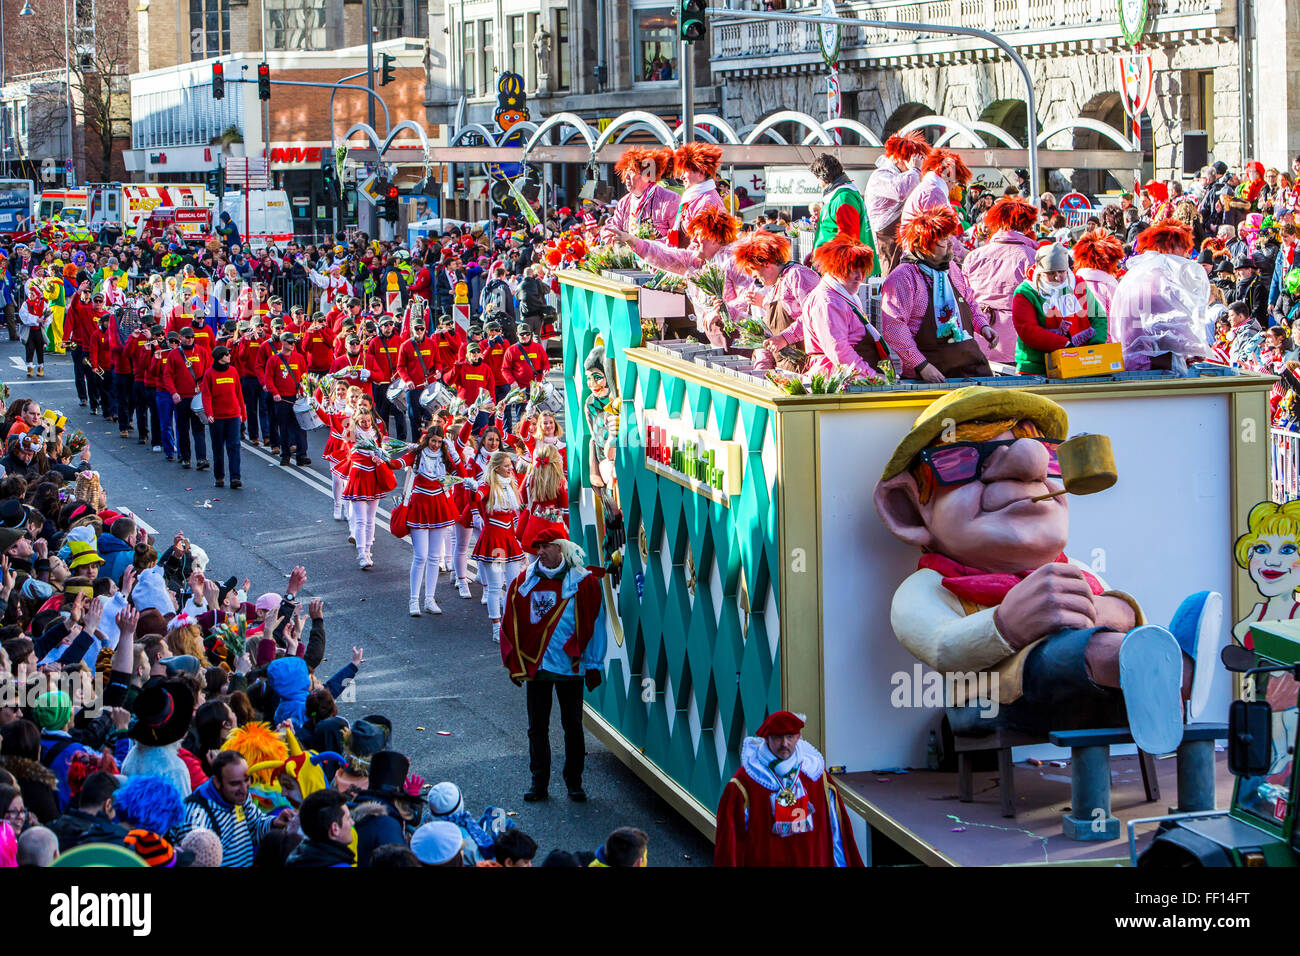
(445, 798)
(437, 842)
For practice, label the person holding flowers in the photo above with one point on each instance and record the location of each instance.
(783, 287)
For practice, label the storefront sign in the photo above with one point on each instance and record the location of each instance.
(790, 186)
(283, 157)
(692, 457)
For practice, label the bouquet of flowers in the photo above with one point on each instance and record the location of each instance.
(515, 396)
(666, 282)
(552, 514)
(645, 230)
(322, 381)
(481, 401)
(233, 633)
(748, 333)
(887, 370)
(787, 382)
(385, 450)
(75, 443)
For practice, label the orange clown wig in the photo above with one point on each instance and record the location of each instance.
(713, 224)
(929, 227)
(654, 164)
(1011, 213)
(939, 158)
(702, 158)
(1168, 236)
(904, 146)
(843, 255)
(761, 249)
(1098, 250)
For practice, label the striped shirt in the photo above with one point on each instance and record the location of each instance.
(240, 828)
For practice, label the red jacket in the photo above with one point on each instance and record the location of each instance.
(277, 378)
(423, 284)
(223, 396)
(522, 365)
(318, 346)
(128, 360)
(176, 380)
(494, 351)
(352, 369)
(412, 371)
(446, 348)
(79, 320)
(469, 380)
(248, 355)
(264, 353)
(387, 353)
(101, 352)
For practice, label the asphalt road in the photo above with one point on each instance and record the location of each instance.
(438, 679)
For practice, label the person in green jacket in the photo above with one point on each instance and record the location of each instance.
(1053, 309)
(843, 208)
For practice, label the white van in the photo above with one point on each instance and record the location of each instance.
(268, 211)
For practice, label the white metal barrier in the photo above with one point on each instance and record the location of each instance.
(1284, 465)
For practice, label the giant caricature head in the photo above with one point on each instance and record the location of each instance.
(961, 481)
(1270, 550)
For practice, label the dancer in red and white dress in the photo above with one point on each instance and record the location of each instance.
(470, 523)
(431, 510)
(546, 500)
(369, 480)
(498, 554)
(336, 413)
(541, 431)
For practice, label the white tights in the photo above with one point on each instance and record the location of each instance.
(496, 578)
(428, 544)
(465, 538)
(337, 484)
(363, 525)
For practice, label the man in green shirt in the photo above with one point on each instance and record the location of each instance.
(843, 208)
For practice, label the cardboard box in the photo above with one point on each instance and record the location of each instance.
(1104, 359)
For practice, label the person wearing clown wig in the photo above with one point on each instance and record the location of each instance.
(836, 332)
(1097, 258)
(786, 285)
(944, 176)
(995, 269)
(646, 202)
(695, 164)
(925, 312)
(898, 173)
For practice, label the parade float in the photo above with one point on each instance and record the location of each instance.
(751, 572)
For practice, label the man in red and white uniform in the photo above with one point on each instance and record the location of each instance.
(781, 808)
(416, 363)
(386, 350)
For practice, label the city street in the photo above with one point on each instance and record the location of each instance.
(438, 679)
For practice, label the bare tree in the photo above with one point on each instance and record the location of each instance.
(101, 52)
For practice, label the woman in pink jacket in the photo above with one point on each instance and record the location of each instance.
(785, 286)
(695, 164)
(836, 332)
(1097, 256)
(712, 233)
(646, 201)
(942, 174)
(995, 269)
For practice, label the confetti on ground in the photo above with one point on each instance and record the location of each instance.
(958, 830)
(419, 728)
(444, 733)
(1059, 763)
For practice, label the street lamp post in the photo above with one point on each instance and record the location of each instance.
(70, 165)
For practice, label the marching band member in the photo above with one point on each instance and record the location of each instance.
(336, 413)
(546, 500)
(539, 433)
(646, 201)
(498, 553)
(369, 480)
(470, 524)
(431, 511)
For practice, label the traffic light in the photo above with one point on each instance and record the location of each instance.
(690, 18)
(218, 81)
(215, 180)
(329, 176)
(390, 202)
(386, 70)
(263, 81)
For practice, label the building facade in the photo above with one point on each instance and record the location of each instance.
(1200, 54)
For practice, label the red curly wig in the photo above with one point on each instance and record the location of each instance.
(929, 227)
(763, 248)
(1217, 246)
(714, 224)
(938, 158)
(1098, 250)
(702, 158)
(843, 255)
(1011, 212)
(1168, 236)
(903, 146)
(636, 158)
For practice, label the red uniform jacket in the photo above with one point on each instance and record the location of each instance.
(387, 354)
(128, 357)
(522, 365)
(351, 369)
(318, 346)
(247, 355)
(223, 396)
(277, 377)
(176, 380)
(469, 380)
(413, 372)
(422, 285)
(79, 322)
(523, 643)
(447, 346)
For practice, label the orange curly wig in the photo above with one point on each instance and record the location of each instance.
(702, 158)
(1217, 246)
(1098, 250)
(842, 255)
(1168, 236)
(763, 248)
(1011, 212)
(714, 224)
(903, 146)
(636, 157)
(938, 158)
(929, 227)
(256, 742)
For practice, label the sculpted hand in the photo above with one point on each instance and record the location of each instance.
(1052, 598)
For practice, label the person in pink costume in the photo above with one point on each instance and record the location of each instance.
(898, 173)
(646, 201)
(943, 174)
(836, 332)
(786, 285)
(994, 269)
(695, 164)
(712, 232)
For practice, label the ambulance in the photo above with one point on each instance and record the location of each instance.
(119, 206)
(268, 210)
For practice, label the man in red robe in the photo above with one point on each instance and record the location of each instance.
(781, 808)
